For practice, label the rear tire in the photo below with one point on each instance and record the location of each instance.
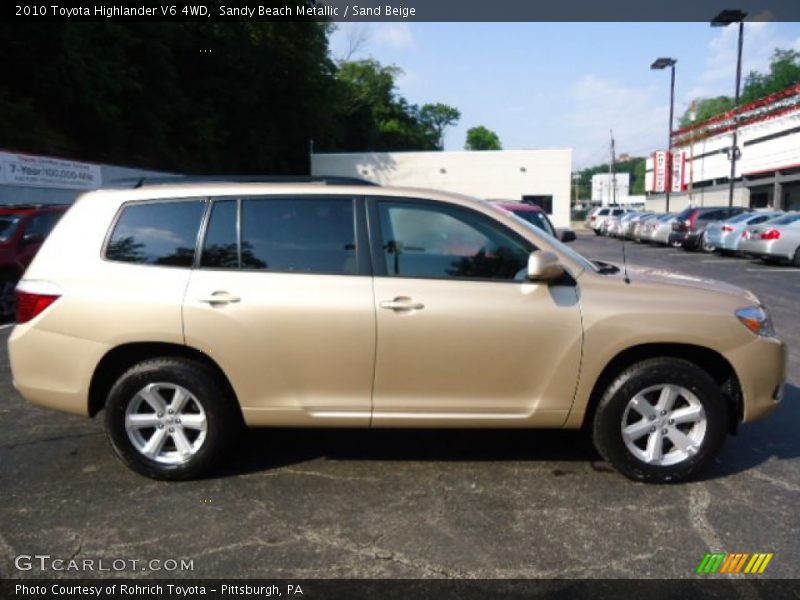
(660, 420)
(170, 418)
(796, 259)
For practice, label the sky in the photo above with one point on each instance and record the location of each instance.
(564, 85)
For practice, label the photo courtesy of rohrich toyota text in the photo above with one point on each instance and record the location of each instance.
(373, 300)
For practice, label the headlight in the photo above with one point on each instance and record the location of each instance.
(757, 320)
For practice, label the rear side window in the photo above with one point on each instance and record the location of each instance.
(685, 214)
(282, 235)
(299, 235)
(157, 233)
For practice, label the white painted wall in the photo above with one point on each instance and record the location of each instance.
(709, 196)
(492, 175)
(602, 189)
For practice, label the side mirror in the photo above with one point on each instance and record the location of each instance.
(32, 238)
(544, 266)
(567, 236)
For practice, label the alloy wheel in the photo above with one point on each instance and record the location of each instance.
(166, 423)
(664, 425)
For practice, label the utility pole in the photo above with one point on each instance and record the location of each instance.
(611, 170)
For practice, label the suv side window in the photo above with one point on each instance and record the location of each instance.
(299, 235)
(432, 240)
(712, 215)
(157, 233)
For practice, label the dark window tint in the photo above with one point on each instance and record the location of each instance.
(158, 233)
(536, 218)
(43, 223)
(8, 225)
(786, 219)
(757, 220)
(616, 212)
(304, 235)
(543, 202)
(440, 242)
(221, 248)
(712, 215)
(685, 214)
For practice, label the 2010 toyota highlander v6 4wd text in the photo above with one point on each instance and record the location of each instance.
(187, 310)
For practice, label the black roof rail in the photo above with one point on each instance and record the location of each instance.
(33, 205)
(137, 182)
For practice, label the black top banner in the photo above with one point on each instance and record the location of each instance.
(400, 10)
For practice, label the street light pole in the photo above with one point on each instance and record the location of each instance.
(663, 63)
(723, 19)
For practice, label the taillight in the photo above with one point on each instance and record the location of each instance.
(34, 297)
(745, 235)
(593, 217)
(772, 234)
(727, 228)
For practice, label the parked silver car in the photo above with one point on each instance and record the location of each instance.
(620, 226)
(775, 240)
(657, 230)
(726, 235)
(630, 226)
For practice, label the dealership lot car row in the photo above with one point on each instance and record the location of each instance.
(184, 311)
(773, 236)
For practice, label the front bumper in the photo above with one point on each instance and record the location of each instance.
(761, 367)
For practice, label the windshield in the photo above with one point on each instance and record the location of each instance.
(537, 218)
(8, 225)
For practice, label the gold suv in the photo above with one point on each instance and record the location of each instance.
(188, 310)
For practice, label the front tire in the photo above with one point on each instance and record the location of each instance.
(661, 420)
(796, 259)
(170, 418)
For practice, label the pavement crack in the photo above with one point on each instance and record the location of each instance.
(56, 438)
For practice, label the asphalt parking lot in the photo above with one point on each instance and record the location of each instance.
(489, 504)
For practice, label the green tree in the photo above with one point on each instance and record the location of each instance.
(437, 117)
(373, 114)
(784, 71)
(481, 138)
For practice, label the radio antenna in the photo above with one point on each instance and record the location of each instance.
(613, 184)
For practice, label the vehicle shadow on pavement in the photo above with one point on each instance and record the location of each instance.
(266, 449)
(755, 443)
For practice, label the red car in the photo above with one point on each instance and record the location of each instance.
(536, 216)
(23, 228)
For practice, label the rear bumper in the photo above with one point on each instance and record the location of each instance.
(53, 370)
(676, 237)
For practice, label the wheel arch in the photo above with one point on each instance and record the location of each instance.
(119, 359)
(711, 361)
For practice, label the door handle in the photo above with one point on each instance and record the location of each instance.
(220, 298)
(402, 303)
